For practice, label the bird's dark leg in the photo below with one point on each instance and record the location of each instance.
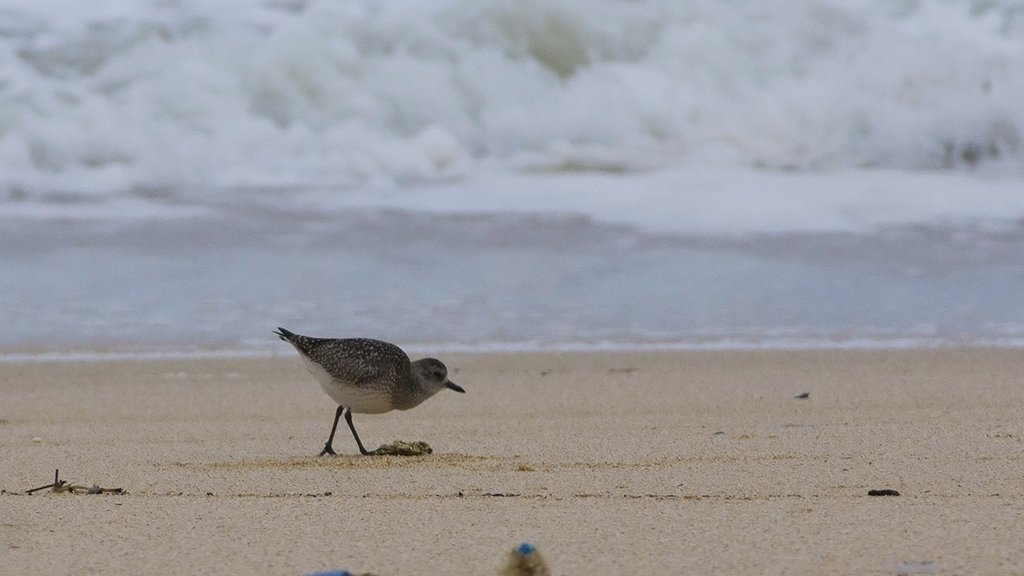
(330, 439)
(348, 418)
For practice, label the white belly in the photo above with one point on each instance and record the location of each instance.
(359, 400)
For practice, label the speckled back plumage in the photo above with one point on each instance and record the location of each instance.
(357, 361)
(364, 367)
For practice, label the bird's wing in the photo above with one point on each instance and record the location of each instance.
(357, 360)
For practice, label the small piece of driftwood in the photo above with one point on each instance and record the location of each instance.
(886, 492)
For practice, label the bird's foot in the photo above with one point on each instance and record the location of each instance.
(327, 450)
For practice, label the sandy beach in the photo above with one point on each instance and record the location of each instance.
(611, 463)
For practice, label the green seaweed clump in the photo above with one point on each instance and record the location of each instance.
(399, 448)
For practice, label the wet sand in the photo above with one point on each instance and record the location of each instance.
(611, 463)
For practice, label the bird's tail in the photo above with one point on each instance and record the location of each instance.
(285, 335)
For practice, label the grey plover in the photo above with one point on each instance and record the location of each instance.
(367, 377)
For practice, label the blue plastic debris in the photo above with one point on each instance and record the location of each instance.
(525, 560)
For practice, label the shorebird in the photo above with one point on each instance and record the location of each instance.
(367, 377)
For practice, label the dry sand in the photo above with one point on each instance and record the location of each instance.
(611, 463)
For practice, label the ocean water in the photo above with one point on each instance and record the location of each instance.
(186, 175)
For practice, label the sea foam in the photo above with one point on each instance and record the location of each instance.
(193, 99)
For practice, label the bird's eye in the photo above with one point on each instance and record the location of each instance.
(438, 375)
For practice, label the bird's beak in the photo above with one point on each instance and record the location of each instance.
(454, 386)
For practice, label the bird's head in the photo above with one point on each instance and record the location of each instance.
(434, 372)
